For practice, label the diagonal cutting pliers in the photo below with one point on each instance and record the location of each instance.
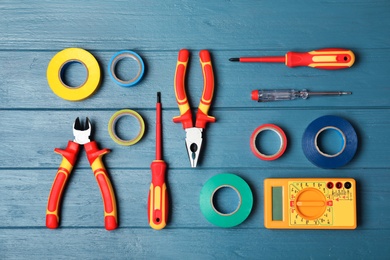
(69, 157)
(194, 133)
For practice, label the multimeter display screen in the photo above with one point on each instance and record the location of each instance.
(277, 203)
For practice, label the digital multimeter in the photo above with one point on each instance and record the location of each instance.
(323, 203)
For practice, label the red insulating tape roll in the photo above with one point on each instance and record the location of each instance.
(279, 132)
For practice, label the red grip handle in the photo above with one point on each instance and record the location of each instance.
(181, 96)
(52, 212)
(95, 159)
(202, 116)
(69, 156)
(182, 61)
(158, 196)
(110, 215)
(208, 86)
(330, 59)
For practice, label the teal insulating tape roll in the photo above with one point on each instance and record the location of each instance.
(245, 200)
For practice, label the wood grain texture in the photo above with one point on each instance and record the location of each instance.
(34, 121)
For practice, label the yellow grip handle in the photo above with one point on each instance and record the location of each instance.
(158, 196)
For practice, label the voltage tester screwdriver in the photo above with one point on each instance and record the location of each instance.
(329, 59)
(266, 95)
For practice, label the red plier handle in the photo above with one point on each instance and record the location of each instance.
(202, 116)
(69, 156)
(95, 160)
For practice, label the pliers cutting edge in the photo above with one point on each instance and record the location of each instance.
(194, 133)
(69, 157)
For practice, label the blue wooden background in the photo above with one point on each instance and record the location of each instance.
(34, 121)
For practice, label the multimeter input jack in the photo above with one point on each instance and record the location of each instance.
(347, 185)
(329, 185)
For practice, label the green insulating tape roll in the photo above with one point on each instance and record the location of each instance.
(245, 200)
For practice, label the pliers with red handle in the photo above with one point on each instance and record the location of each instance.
(69, 157)
(194, 133)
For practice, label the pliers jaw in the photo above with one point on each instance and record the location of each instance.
(81, 133)
(193, 144)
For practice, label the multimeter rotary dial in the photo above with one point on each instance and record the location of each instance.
(310, 203)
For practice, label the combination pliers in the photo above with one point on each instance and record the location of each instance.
(194, 133)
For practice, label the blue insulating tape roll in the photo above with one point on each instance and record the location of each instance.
(321, 159)
(119, 56)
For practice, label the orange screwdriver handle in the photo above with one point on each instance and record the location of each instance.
(95, 160)
(181, 96)
(158, 196)
(69, 156)
(329, 59)
(202, 116)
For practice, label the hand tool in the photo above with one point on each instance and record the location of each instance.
(69, 157)
(329, 59)
(158, 194)
(266, 95)
(194, 134)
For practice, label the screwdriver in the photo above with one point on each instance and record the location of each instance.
(329, 59)
(158, 194)
(266, 95)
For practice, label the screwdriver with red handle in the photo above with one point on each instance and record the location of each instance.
(158, 194)
(328, 59)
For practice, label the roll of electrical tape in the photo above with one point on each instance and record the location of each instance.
(114, 119)
(245, 200)
(279, 132)
(318, 157)
(119, 56)
(55, 71)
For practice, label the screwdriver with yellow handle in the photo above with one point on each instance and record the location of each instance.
(328, 59)
(158, 194)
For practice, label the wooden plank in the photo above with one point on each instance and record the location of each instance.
(250, 25)
(24, 84)
(36, 133)
(192, 243)
(24, 193)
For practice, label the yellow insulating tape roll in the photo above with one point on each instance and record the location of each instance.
(114, 119)
(56, 66)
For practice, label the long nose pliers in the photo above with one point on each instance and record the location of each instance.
(194, 133)
(69, 157)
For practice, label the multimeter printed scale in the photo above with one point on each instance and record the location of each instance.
(327, 203)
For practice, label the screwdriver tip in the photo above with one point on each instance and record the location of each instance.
(234, 59)
(158, 97)
(346, 93)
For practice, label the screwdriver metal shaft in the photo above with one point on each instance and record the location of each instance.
(266, 95)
